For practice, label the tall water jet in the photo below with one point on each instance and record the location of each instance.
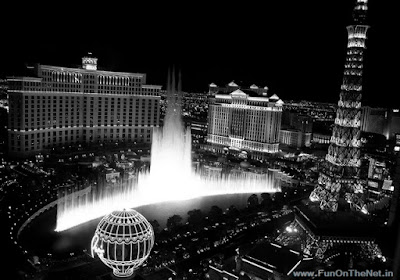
(171, 153)
(171, 176)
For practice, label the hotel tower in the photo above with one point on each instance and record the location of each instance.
(60, 106)
(244, 120)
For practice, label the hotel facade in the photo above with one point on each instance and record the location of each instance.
(244, 120)
(60, 106)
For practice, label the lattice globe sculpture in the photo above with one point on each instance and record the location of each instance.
(123, 241)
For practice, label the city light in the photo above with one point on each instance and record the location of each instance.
(171, 178)
(86, 145)
(291, 229)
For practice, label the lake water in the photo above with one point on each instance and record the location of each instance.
(40, 237)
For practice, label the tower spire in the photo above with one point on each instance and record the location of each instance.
(339, 177)
(360, 11)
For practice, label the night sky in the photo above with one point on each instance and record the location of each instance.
(296, 48)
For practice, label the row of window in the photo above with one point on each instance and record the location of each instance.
(85, 88)
(50, 111)
(53, 142)
(76, 77)
(260, 126)
(80, 131)
(61, 99)
(68, 136)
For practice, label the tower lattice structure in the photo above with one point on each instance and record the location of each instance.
(339, 175)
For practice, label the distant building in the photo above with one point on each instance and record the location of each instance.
(379, 189)
(373, 141)
(396, 147)
(295, 138)
(3, 88)
(59, 106)
(244, 120)
(296, 129)
(393, 123)
(320, 138)
(374, 120)
(297, 121)
(199, 131)
(380, 120)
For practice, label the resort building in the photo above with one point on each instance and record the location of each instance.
(60, 106)
(244, 120)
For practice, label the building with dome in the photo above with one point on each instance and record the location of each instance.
(123, 241)
(244, 119)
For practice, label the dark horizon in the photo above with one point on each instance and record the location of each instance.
(295, 48)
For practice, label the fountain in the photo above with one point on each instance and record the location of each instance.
(171, 176)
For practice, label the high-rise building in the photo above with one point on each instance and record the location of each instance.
(244, 120)
(340, 174)
(295, 138)
(393, 125)
(374, 120)
(384, 121)
(296, 120)
(60, 106)
(296, 129)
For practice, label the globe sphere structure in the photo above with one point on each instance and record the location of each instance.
(123, 241)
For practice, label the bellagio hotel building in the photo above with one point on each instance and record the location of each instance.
(62, 106)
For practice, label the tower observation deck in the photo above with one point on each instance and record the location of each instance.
(339, 176)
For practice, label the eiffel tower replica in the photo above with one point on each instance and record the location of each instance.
(332, 224)
(339, 175)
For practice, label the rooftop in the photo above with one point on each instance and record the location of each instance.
(347, 224)
(250, 93)
(274, 257)
(163, 274)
